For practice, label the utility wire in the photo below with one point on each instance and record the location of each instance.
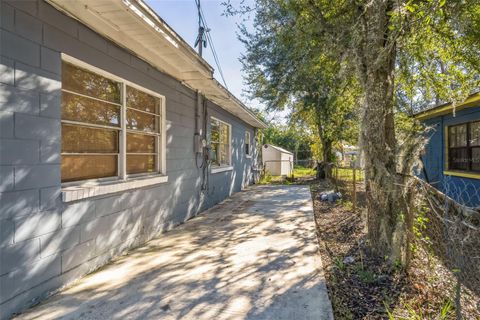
(212, 46)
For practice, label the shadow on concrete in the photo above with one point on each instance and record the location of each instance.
(254, 256)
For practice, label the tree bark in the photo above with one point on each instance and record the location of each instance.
(376, 54)
(327, 152)
(327, 157)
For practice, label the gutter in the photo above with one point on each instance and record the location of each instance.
(446, 108)
(131, 24)
(173, 34)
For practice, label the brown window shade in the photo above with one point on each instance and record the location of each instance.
(140, 143)
(79, 139)
(82, 109)
(140, 121)
(82, 167)
(140, 163)
(92, 115)
(88, 83)
(142, 101)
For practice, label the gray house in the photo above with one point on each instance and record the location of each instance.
(112, 130)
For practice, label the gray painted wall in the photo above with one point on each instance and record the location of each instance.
(45, 243)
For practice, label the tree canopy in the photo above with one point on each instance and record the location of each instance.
(334, 61)
(285, 68)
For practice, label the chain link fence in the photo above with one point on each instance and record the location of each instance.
(448, 229)
(350, 181)
(451, 231)
(306, 163)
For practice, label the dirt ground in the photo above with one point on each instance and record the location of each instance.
(365, 286)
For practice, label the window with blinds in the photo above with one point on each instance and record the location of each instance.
(220, 142)
(109, 127)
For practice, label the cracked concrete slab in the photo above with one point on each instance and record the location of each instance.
(253, 256)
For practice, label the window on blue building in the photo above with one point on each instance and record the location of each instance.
(464, 147)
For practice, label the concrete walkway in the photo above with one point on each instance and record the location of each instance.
(254, 256)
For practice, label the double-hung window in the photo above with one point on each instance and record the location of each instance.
(220, 142)
(464, 146)
(111, 129)
(247, 144)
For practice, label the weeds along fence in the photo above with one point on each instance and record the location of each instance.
(450, 231)
(349, 181)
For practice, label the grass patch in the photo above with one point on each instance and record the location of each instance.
(301, 172)
(346, 174)
(301, 175)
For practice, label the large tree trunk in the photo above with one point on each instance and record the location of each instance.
(376, 53)
(327, 157)
(327, 152)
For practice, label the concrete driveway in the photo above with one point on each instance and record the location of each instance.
(254, 256)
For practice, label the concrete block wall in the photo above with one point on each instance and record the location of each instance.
(45, 243)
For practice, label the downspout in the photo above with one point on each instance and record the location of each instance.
(198, 148)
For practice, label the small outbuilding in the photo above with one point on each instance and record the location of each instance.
(113, 130)
(277, 161)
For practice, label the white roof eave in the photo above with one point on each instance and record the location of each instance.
(134, 26)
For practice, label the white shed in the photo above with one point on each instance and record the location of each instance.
(277, 161)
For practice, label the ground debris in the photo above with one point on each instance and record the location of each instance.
(363, 285)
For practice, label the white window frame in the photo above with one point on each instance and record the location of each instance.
(249, 140)
(77, 190)
(221, 168)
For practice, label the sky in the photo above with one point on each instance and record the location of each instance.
(182, 16)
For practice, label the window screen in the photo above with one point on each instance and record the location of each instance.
(91, 109)
(220, 142)
(96, 141)
(464, 147)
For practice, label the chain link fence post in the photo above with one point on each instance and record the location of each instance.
(354, 191)
(452, 227)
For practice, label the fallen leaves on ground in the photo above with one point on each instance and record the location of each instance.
(363, 285)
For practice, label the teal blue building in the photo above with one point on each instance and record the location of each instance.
(452, 156)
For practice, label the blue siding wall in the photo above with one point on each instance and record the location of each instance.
(44, 242)
(463, 190)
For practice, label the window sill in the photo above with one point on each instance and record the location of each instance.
(462, 174)
(88, 190)
(222, 169)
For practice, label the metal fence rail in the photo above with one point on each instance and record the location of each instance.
(451, 232)
(348, 180)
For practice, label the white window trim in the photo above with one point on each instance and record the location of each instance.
(77, 190)
(87, 190)
(221, 168)
(218, 169)
(249, 154)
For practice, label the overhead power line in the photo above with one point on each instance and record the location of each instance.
(204, 29)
